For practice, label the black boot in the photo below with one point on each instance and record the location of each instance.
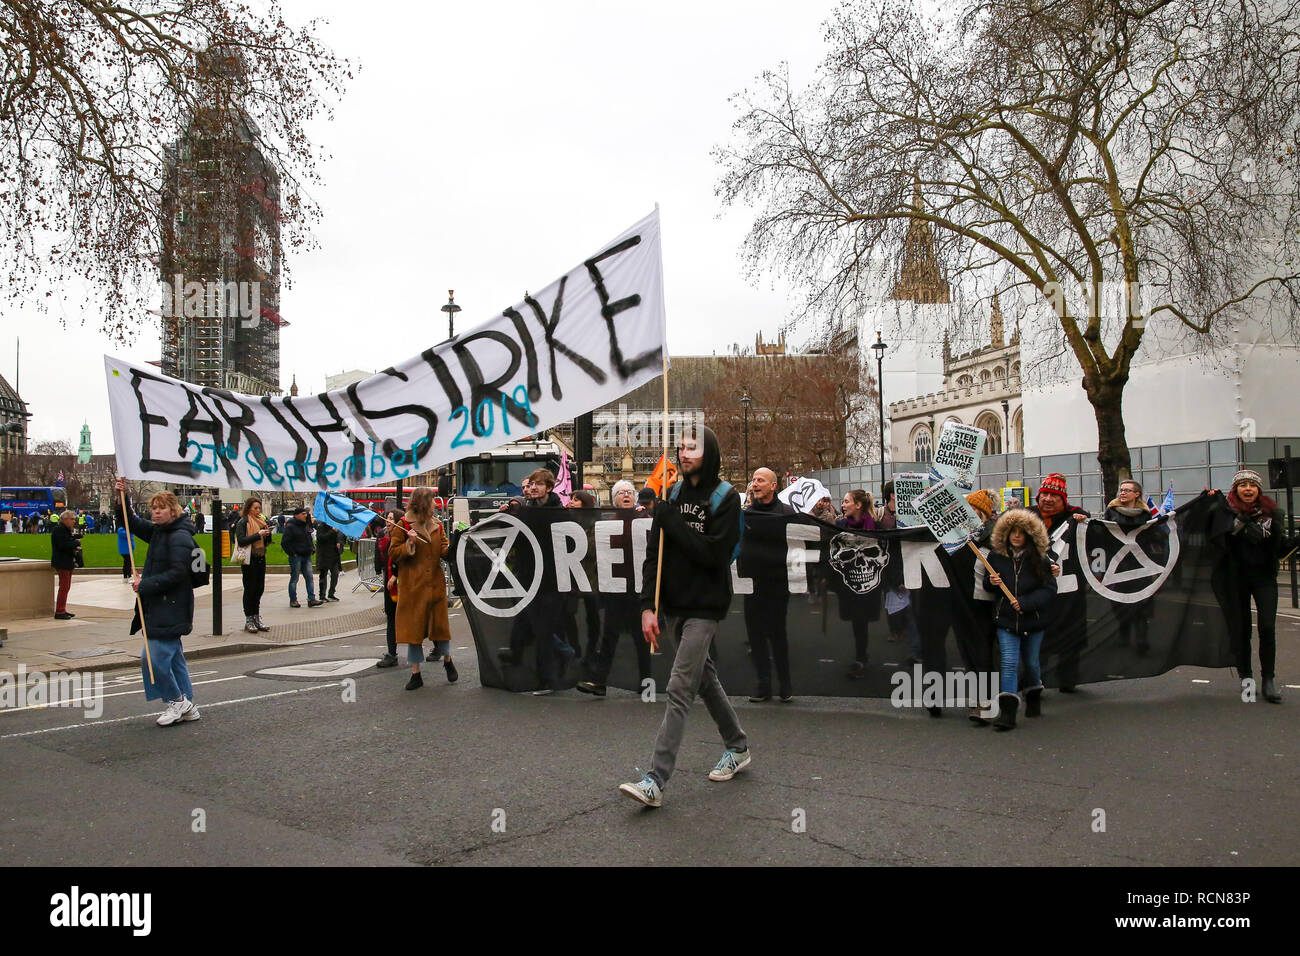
(1008, 704)
(1034, 701)
(1271, 693)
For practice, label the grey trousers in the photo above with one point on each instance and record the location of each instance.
(693, 673)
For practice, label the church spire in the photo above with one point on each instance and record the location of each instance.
(997, 331)
(919, 276)
(293, 389)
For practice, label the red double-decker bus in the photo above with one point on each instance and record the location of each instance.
(375, 498)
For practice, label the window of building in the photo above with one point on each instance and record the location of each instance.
(922, 444)
(986, 376)
(999, 373)
(965, 381)
(992, 424)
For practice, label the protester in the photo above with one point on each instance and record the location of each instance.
(824, 510)
(387, 572)
(298, 545)
(200, 520)
(1128, 511)
(859, 609)
(63, 558)
(762, 560)
(1256, 542)
(887, 516)
(1068, 622)
(645, 498)
(590, 604)
(329, 559)
(416, 546)
(166, 595)
(123, 549)
(976, 643)
(1020, 560)
(621, 612)
(541, 622)
(700, 527)
(253, 532)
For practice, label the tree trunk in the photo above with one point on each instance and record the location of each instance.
(1112, 444)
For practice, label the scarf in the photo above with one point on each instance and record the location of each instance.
(255, 524)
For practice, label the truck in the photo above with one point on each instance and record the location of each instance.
(489, 479)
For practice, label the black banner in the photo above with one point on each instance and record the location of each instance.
(551, 596)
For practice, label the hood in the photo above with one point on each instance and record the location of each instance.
(1137, 509)
(183, 523)
(712, 463)
(1026, 521)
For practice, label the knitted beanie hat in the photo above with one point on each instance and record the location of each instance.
(982, 502)
(1247, 475)
(1054, 484)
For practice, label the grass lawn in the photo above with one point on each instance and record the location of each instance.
(100, 550)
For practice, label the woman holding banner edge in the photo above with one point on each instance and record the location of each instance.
(859, 609)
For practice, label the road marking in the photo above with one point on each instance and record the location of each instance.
(320, 669)
(1195, 681)
(219, 703)
(121, 693)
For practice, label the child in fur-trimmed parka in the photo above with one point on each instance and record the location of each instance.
(1021, 559)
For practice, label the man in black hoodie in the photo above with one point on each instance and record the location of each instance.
(762, 560)
(700, 526)
(298, 546)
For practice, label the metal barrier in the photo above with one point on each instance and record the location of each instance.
(367, 576)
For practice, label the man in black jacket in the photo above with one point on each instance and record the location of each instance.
(700, 526)
(298, 546)
(762, 560)
(329, 559)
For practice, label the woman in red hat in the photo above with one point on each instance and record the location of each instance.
(1256, 542)
(1069, 618)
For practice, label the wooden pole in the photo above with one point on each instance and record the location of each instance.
(130, 550)
(984, 561)
(659, 565)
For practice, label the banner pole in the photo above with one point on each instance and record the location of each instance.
(984, 561)
(130, 550)
(659, 565)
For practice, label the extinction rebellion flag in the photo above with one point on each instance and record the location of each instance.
(1132, 602)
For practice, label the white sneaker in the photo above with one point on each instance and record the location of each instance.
(192, 713)
(176, 710)
(644, 790)
(730, 765)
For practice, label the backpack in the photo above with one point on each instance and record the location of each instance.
(715, 502)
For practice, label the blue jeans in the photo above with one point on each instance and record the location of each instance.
(1014, 649)
(415, 652)
(171, 675)
(300, 564)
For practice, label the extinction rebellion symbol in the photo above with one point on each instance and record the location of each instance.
(505, 529)
(1142, 564)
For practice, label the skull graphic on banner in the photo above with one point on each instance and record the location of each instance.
(859, 561)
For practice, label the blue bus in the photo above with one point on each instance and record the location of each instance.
(24, 502)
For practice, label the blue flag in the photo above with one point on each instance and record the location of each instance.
(340, 511)
(1168, 505)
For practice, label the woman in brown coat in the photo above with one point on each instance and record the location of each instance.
(416, 548)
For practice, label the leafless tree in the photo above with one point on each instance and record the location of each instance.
(94, 92)
(1063, 149)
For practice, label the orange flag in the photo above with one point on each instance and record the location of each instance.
(663, 477)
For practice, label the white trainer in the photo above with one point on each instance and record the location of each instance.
(192, 713)
(176, 710)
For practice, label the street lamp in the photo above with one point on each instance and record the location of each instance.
(451, 308)
(745, 402)
(879, 348)
(1006, 426)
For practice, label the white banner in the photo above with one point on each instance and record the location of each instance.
(908, 486)
(958, 454)
(802, 494)
(948, 515)
(583, 341)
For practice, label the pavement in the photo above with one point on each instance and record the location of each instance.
(99, 638)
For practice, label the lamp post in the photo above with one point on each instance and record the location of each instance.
(745, 402)
(879, 348)
(451, 308)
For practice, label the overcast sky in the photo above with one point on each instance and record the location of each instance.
(488, 149)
